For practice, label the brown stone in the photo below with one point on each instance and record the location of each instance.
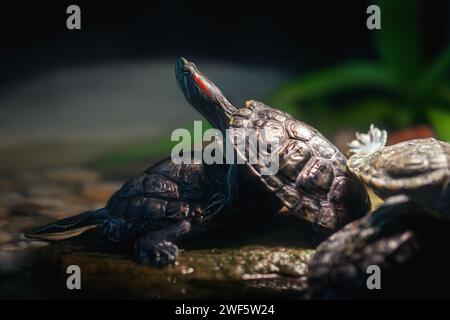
(274, 268)
(4, 212)
(10, 184)
(5, 237)
(17, 224)
(10, 198)
(8, 247)
(28, 208)
(65, 211)
(38, 244)
(48, 190)
(100, 192)
(223, 273)
(53, 207)
(8, 261)
(71, 175)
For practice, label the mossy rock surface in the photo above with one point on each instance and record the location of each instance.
(267, 262)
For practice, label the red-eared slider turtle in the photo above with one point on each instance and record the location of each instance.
(418, 169)
(313, 180)
(153, 209)
(403, 241)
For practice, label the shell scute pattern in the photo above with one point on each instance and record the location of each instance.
(290, 196)
(156, 185)
(274, 183)
(309, 166)
(160, 196)
(418, 167)
(133, 187)
(318, 176)
(323, 146)
(166, 169)
(338, 188)
(296, 154)
(190, 181)
(299, 131)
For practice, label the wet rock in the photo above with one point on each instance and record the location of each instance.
(5, 237)
(100, 192)
(4, 212)
(259, 261)
(47, 190)
(257, 271)
(28, 208)
(249, 262)
(53, 207)
(37, 244)
(8, 261)
(16, 224)
(10, 198)
(71, 175)
(36, 206)
(10, 184)
(8, 247)
(66, 211)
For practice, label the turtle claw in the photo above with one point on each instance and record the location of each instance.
(219, 201)
(162, 254)
(368, 143)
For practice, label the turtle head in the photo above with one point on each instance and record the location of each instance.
(204, 95)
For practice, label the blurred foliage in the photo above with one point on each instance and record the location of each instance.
(440, 117)
(111, 161)
(140, 151)
(398, 91)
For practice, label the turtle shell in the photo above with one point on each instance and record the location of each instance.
(405, 240)
(419, 168)
(312, 180)
(161, 195)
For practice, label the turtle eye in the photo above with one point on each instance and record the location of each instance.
(186, 71)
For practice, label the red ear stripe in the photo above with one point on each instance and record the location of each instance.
(201, 84)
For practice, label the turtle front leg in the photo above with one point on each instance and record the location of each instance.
(156, 248)
(224, 198)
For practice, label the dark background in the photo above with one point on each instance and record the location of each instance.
(107, 91)
(296, 35)
(82, 111)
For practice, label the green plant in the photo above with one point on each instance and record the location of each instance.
(403, 89)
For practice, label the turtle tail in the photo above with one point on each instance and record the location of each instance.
(68, 227)
(368, 143)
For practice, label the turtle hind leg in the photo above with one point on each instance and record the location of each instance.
(156, 248)
(368, 143)
(66, 226)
